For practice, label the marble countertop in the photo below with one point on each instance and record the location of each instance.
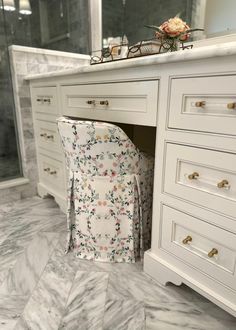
(223, 49)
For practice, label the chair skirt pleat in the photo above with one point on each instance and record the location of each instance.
(104, 217)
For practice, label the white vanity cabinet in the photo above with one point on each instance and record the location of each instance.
(51, 164)
(194, 217)
(133, 102)
(130, 102)
(44, 100)
(191, 97)
(205, 103)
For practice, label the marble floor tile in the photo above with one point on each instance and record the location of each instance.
(169, 307)
(223, 320)
(141, 287)
(86, 302)
(20, 222)
(178, 316)
(26, 220)
(23, 208)
(23, 277)
(21, 325)
(9, 252)
(46, 305)
(11, 308)
(89, 265)
(43, 288)
(124, 314)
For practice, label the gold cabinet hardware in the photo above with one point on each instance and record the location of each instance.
(200, 104)
(106, 102)
(193, 176)
(43, 135)
(231, 105)
(46, 169)
(222, 183)
(187, 239)
(39, 100)
(212, 253)
(53, 172)
(91, 102)
(50, 137)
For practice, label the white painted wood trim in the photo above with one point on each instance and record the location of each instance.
(164, 272)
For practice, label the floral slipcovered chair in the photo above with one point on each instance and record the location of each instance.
(109, 192)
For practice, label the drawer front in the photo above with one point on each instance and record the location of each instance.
(207, 248)
(44, 100)
(202, 176)
(206, 104)
(51, 173)
(47, 136)
(128, 102)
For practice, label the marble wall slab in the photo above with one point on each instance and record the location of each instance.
(25, 61)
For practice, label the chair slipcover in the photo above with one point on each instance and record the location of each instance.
(109, 192)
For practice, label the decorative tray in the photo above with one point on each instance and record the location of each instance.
(142, 48)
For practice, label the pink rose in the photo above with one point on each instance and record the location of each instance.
(174, 27)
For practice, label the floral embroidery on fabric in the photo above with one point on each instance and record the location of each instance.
(109, 192)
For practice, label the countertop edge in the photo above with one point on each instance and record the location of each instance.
(225, 49)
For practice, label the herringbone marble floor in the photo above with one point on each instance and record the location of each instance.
(42, 288)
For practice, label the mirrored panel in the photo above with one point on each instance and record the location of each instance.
(127, 18)
(9, 152)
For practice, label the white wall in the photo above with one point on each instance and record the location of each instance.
(220, 17)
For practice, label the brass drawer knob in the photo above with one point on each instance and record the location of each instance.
(47, 101)
(193, 176)
(104, 102)
(200, 104)
(50, 137)
(91, 102)
(187, 239)
(43, 135)
(223, 184)
(212, 253)
(231, 105)
(53, 172)
(46, 169)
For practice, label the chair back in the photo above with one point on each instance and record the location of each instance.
(97, 148)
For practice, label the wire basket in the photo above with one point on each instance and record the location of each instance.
(142, 48)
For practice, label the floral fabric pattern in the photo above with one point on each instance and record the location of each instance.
(109, 192)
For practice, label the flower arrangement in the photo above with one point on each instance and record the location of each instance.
(172, 31)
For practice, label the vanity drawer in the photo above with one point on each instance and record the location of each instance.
(210, 249)
(206, 104)
(202, 176)
(127, 102)
(44, 100)
(51, 172)
(47, 136)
